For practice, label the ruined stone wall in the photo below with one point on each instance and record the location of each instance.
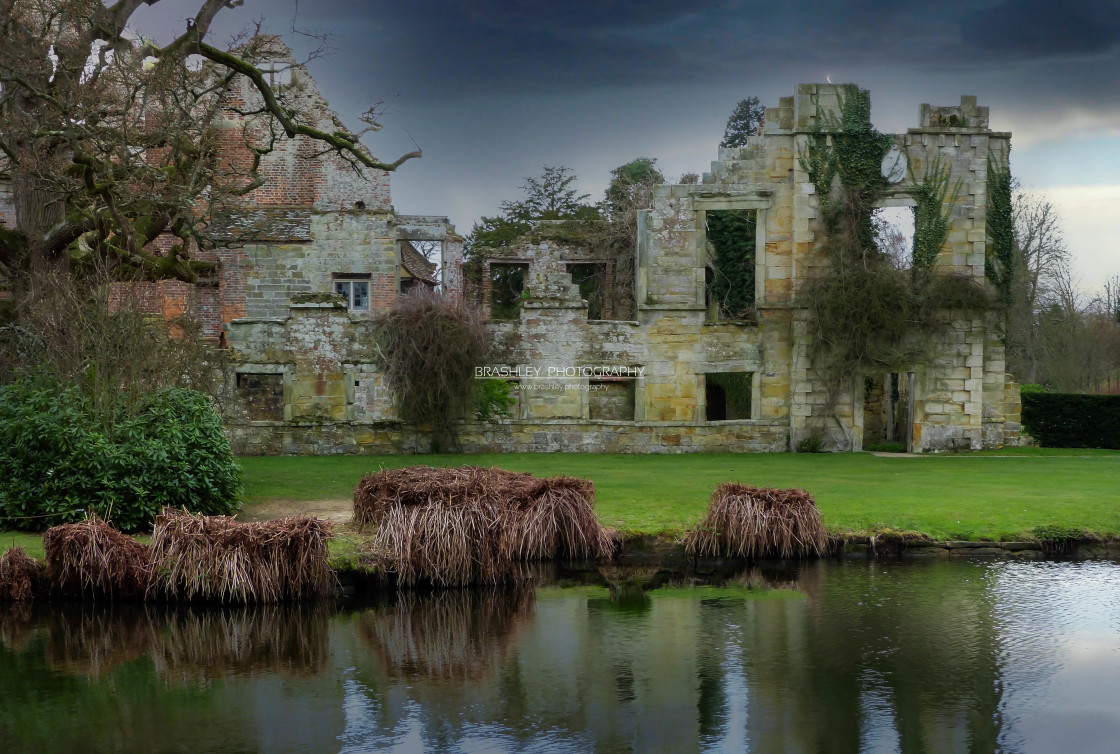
(360, 243)
(512, 436)
(335, 401)
(7, 203)
(962, 390)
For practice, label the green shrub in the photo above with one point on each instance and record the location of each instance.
(493, 398)
(60, 460)
(1068, 420)
(811, 444)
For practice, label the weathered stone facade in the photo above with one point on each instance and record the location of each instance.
(958, 396)
(313, 258)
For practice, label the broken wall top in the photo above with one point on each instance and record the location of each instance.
(298, 172)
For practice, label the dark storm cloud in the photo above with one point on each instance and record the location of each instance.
(1040, 29)
(440, 49)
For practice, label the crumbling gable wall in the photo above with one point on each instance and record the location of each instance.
(963, 396)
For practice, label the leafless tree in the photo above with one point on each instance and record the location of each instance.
(109, 140)
(1041, 281)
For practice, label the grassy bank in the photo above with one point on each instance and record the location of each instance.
(994, 495)
(997, 495)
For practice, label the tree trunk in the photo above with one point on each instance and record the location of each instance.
(38, 210)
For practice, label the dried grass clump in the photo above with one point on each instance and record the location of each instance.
(470, 525)
(91, 557)
(20, 575)
(218, 558)
(749, 522)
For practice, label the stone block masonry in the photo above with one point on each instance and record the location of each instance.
(317, 222)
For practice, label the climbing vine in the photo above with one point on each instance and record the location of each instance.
(935, 202)
(863, 311)
(1000, 228)
(731, 233)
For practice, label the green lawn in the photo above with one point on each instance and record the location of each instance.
(992, 495)
(31, 543)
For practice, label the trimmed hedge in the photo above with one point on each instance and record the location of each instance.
(60, 461)
(1071, 420)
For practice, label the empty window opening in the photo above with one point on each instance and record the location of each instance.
(420, 264)
(727, 395)
(507, 290)
(611, 400)
(355, 292)
(277, 73)
(262, 395)
(731, 249)
(894, 234)
(592, 281)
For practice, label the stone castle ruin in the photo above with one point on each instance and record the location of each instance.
(317, 253)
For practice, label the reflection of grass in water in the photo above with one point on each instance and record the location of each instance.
(185, 645)
(286, 639)
(460, 634)
(15, 625)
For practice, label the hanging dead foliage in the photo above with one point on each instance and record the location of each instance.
(20, 575)
(219, 559)
(470, 525)
(750, 522)
(429, 346)
(91, 558)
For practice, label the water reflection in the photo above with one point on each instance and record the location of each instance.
(460, 634)
(182, 643)
(948, 656)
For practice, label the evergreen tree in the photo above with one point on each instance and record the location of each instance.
(745, 120)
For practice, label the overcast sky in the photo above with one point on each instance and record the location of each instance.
(493, 91)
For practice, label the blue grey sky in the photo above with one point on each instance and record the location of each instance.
(493, 91)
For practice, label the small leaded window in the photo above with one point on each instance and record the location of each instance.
(356, 293)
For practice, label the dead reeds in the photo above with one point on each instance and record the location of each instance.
(90, 557)
(750, 522)
(207, 558)
(20, 575)
(471, 525)
(219, 559)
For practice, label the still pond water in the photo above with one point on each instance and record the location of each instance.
(845, 657)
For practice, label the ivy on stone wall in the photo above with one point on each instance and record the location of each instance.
(935, 201)
(731, 233)
(863, 311)
(1000, 228)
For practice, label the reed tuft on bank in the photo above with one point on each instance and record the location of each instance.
(472, 525)
(750, 522)
(20, 575)
(215, 558)
(91, 558)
